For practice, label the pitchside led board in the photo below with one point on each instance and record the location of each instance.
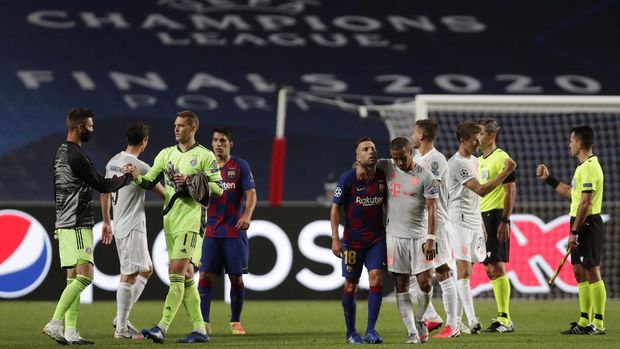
(290, 257)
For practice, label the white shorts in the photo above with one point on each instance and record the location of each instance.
(468, 244)
(444, 245)
(133, 253)
(406, 255)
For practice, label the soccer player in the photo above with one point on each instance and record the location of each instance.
(129, 230)
(586, 233)
(363, 241)
(464, 209)
(182, 222)
(423, 139)
(74, 179)
(226, 239)
(410, 232)
(496, 208)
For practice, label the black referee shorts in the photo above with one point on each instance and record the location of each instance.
(497, 251)
(588, 252)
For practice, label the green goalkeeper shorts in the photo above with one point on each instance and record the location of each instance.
(75, 245)
(185, 245)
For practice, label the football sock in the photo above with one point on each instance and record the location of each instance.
(449, 296)
(599, 298)
(424, 299)
(405, 308)
(123, 305)
(467, 300)
(191, 302)
(237, 293)
(69, 295)
(72, 312)
(173, 300)
(375, 297)
(350, 309)
(414, 289)
(137, 288)
(585, 303)
(206, 292)
(501, 291)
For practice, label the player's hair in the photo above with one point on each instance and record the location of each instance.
(585, 134)
(466, 130)
(490, 125)
(363, 139)
(190, 115)
(399, 143)
(78, 116)
(429, 129)
(136, 133)
(225, 131)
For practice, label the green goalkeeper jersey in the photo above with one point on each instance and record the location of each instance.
(186, 214)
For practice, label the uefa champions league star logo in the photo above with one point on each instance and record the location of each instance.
(290, 7)
(337, 192)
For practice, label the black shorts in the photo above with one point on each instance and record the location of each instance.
(497, 251)
(588, 252)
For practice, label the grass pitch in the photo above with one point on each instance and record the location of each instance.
(306, 324)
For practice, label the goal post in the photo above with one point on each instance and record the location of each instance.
(535, 129)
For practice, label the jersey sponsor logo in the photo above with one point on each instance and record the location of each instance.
(232, 174)
(535, 250)
(25, 254)
(394, 189)
(369, 201)
(230, 185)
(337, 192)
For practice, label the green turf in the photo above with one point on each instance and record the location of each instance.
(301, 324)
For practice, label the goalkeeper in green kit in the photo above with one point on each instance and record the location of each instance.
(183, 218)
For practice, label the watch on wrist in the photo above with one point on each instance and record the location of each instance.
(505, 220)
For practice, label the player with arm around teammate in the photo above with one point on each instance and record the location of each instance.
(587, 230)
(465, 191)
(225, 244)
(129, 230)
(363, 241)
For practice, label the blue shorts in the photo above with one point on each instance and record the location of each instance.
(230, 253)
(373, 256)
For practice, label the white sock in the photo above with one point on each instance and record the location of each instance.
(123, 305)
(467, 299)
(424, 299)
(405, 307)
(414, 289)
(459, 307)
(449, 296)
(137, 288)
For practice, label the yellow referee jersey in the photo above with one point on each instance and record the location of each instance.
(588, 178)
(490, 167)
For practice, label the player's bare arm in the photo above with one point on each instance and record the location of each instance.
(483, 189)
(510, 190)
(561, 188)
(334, 219)
(429, 246)
(250, 203)
(106, 237)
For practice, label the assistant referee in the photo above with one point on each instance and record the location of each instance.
(586, 234)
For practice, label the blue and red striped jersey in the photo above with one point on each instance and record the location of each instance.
(225, 210)
(363, 207)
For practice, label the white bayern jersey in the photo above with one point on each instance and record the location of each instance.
(436, 163)
(407, 194)
(463, 203)
(128, 202)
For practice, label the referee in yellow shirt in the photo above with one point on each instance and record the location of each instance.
(496, 208)
(586, 234)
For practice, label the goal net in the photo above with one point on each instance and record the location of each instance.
(534, 130)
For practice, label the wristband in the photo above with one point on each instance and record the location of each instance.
(504, 220)
(430, 237)
(552, 181)
(574, 232)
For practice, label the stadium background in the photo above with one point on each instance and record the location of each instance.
(145, 60)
